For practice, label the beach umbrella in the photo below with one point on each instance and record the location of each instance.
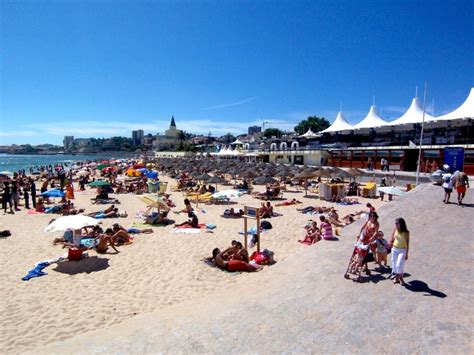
(263, 180)
(391, 190)
(355, 172)
(154, 201)
(143, 170)
(83, 173)
(306, 174)
(216, 180)
(71, 222)
(248, 174)
(99, 183)
(53, 193)
(101, 166)
(342, 174)
(203, 177)
(5, 172)
(227, 194)
(323, 173)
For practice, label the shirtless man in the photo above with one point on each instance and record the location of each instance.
(102, 243)
(119, 237)
(107, 210)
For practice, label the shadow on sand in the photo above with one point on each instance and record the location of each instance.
(87, 265)
(420, 286)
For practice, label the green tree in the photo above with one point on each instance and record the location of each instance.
(272, 132)
(314, 122)
(181, 137)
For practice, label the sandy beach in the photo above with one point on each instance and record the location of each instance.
(304, 305)
(158, 270)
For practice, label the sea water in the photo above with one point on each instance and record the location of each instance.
(14, 162)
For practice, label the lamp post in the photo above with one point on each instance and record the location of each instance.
(421, 137)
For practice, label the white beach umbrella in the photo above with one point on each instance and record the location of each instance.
(230, 194)
(391, 190)
(71, 222)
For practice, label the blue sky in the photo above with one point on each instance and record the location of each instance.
(103, 68)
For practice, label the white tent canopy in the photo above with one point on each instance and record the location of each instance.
(466, 110)
(339, 124)
(237, 142)
(371, 120)
(309, 134)
(413, 115)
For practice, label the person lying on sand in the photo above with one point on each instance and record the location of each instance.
(288, 202)
(230, 213)
(221, 261)
(107, 210)
(158, 218)
(315, 209)
(116, 227)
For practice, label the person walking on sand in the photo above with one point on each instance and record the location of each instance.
(400, 245)
(461, 181)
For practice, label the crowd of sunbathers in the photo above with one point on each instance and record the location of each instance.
(97, 239)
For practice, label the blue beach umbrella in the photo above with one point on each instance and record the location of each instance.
(143, 170)
(53, 193)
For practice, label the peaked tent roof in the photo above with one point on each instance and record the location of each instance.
(466, 110)
(339, 124)
(371, 120)
(237, 141)
(309, 134)
(414, 114)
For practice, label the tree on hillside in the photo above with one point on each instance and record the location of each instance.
(314, 122)
(272, 132)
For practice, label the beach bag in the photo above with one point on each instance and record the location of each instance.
(74, 254)
(266, 225)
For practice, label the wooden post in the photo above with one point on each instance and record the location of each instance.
(252, 213)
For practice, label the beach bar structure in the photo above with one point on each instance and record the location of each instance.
(374, 138)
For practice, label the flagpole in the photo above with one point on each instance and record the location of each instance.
(421, 136)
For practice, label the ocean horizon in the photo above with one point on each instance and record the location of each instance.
(15, 162)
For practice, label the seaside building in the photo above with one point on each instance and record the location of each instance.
(68, 143)
(447, 139)
(137, 137)
(170, 140)
(254, 129)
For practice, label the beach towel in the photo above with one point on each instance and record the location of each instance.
(187, 226)
(37, 271)
(33, 212)
(87, 242)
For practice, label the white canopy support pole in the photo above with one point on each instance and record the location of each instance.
(421, 136)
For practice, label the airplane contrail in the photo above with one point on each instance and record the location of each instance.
(232, 104)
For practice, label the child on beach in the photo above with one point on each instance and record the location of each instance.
(381, 249)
